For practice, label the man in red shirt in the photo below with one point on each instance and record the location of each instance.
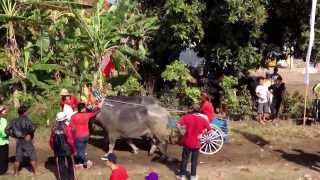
(207, 107)
(118, 171)
(80, 124)
(194, 124)
(67, 98)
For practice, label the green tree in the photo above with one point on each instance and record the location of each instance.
(232, 28)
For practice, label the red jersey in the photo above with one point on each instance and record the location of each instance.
(195, 125)
(69, 136)
(119, 174)
(80, 122)
(207, 109)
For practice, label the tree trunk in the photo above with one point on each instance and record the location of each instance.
(14, 54)
(150, 84)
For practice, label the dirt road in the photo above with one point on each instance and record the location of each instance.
(286, 152)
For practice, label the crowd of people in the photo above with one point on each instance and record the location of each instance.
(70, 136)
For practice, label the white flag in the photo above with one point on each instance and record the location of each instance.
(311, 41)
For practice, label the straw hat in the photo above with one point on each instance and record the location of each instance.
(64, 92)
(61, 116)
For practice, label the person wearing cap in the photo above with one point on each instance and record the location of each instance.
(194, 124)
(206, 106)
(118, 172)
(80, 125)
(4, 142)
(62, 144)
(22, 129)
(67, 98)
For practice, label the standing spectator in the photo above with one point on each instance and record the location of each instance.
(207, 107)
(4, 142)
(277, 90)
(263, 106)
(194, 125)
(23, 130)
(80, 125)
(62, 144)
(118, 171)
(215, 89)
(275, 75)
(87, 95)
(67, 98)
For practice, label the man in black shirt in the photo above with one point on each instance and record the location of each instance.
(23, 130)
(277, 90)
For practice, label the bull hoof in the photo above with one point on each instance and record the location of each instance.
(106, 154)
(136, 151)
(152, 150)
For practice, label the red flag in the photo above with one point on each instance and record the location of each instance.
(107, 65)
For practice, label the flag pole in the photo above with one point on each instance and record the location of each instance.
(305, 104)
(311, 42)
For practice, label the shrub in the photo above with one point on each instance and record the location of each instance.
(131, 87)
(293, 105)
(180, 74)
(237, 103)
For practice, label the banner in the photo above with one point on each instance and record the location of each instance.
(107, 65)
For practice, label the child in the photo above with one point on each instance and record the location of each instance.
(263, 105)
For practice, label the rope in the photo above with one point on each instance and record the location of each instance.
(136, 104)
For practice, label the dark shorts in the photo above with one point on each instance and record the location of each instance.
(25, 149)
(263, 108)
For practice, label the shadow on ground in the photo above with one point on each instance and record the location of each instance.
(171, 163)
(302, 158)
(255, 139)
(50, 165)
(121, 145)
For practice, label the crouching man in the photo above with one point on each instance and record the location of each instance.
(62, 144)
(193, 125)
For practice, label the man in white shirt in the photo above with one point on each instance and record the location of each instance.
(263, 105)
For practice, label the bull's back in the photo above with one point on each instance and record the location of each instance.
(141, 100)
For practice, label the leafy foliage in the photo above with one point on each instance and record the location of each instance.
(231, 29)
(180, 74)
(237, 103)
(131, 87)
(293, 104)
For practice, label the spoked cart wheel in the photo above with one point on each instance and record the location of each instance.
(211, 141)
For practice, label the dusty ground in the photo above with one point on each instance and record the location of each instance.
(286, 152)
(255, 152)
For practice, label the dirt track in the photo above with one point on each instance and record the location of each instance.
(254, 153)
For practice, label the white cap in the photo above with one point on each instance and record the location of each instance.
(61, 116)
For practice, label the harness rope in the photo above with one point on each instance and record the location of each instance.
(142, 105)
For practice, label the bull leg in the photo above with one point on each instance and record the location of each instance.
(112, 143)
(163, 146)
(153, 147)
(133, 147)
